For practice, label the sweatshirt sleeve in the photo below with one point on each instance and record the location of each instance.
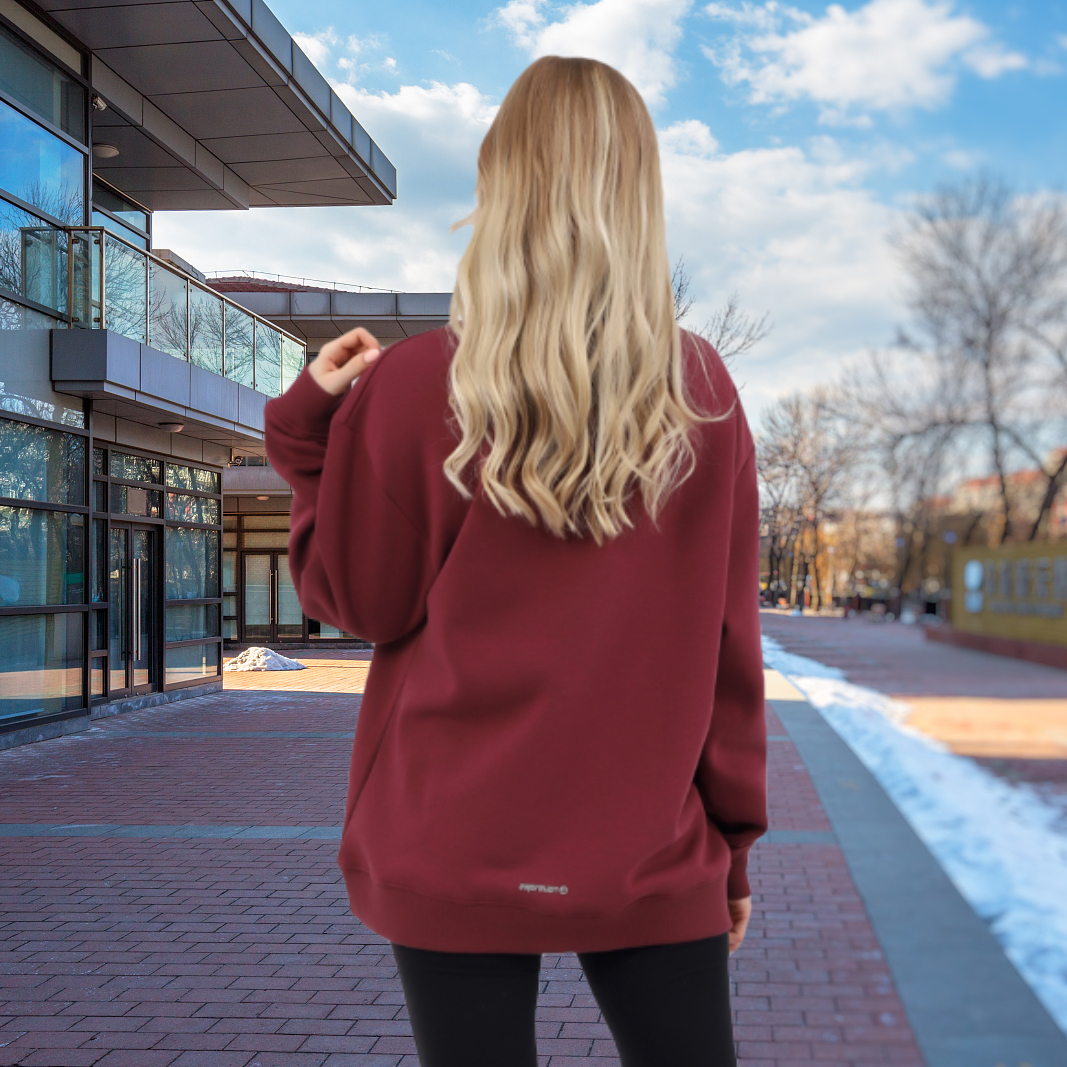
(356, 560)
(732, 773)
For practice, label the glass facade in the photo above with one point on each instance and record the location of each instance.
(40, 168)
(41, 87)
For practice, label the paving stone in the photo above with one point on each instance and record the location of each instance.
(200, 950)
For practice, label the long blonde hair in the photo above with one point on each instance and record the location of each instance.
(567, 380)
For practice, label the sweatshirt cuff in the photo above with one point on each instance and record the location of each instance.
(737, 885)
(305, 403)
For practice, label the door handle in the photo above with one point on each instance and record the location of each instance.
(137, 609)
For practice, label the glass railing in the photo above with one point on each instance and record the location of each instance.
(113, 285)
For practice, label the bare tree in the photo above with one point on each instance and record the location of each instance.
(731, 331)
(803, 459)
(988, 293)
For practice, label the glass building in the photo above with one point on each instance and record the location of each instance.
(129, 386)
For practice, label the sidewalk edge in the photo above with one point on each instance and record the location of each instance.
(967, 1004)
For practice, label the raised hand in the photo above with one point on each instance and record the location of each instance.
(341, 361)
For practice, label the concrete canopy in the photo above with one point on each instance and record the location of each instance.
(319, 314)
(211, 104)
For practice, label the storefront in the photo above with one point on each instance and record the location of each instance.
(128, 385)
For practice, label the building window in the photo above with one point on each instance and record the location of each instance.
(136, 468)
(40, 168)
(40, 464)
(42, 557)
(41, 669)
(192, 564)
(182, 507)
(195, 478)
(124, 209)
(99, 218)
(187, 622)
(41, 87)
(192, 663)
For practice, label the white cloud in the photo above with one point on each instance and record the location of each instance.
(796, 234)
(791, 229)
(889, 55)
(431, 133)
(638, 37)
(317, 46)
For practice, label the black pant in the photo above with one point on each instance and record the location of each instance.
(666, 1005)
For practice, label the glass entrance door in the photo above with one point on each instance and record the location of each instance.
(133, 623)
(272, 611)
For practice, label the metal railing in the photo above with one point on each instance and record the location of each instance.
(264, 275)
(114, 285)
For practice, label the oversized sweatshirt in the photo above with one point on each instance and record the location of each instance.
(562, 745)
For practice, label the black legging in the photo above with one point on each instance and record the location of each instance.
(666, 1005)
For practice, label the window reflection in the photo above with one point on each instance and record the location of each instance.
(168, 315)
(41, 669)
(33, 257)
(41, 169)
(192, 478)
(42, 557)
(43, 88)
(125, 290)
(192, 663)
(239, 333)
(136, 468)
(40, 464)
(183, 508)
(131, 500)
(268, 360)
(192, 564)
(117, 228)
(127, 210)
(206, 329)
(186, 622)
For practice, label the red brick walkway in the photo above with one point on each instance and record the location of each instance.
(241, 952)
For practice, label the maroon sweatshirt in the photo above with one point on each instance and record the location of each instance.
(562, 745)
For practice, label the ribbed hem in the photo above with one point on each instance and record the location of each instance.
(410, 918)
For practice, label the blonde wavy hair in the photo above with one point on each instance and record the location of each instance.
(567, 380)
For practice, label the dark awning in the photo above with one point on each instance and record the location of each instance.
(212, 105)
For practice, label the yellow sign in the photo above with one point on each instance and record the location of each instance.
(1015, 591)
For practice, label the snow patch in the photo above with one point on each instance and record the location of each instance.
(1002, 845)
(262, 659)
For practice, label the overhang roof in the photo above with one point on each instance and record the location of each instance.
(318, 314)
(213, 105)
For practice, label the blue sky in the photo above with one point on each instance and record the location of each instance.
(793, 138)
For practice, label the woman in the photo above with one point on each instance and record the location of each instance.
(545, 518)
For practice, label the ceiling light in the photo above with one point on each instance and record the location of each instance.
(172, 427)
(105, 151)
(263, 498)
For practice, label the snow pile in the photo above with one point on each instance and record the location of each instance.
(262, 659)
(1003, 846)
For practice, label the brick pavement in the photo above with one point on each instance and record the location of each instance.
(152, 952)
